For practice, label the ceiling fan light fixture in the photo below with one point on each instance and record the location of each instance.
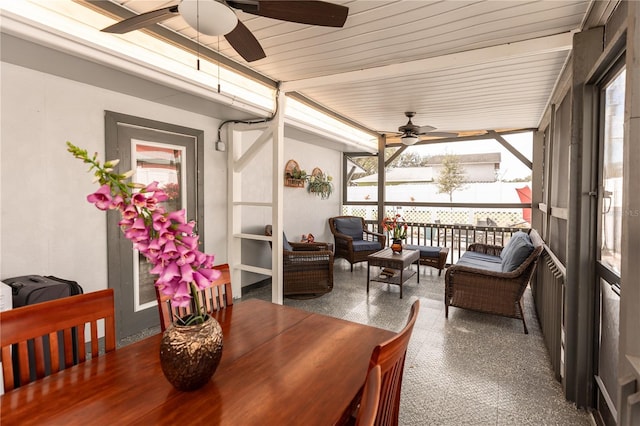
(209, 17)
(409, 139)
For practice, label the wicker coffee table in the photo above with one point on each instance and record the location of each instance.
(396, 262)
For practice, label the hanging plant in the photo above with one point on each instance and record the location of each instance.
(320, 184)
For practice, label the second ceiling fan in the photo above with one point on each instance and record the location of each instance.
(410, 133)
(217, 17)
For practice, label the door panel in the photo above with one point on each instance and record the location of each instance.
(157, 152)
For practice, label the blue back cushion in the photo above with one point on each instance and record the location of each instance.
(506, 250)
(285, 243)
(351, 226)
(518, 250)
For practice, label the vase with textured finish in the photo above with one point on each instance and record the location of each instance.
(190, 354)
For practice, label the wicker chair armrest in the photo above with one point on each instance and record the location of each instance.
(486, 249)
(338, 236)
(374, 236)
(460, 269)
(315, 246)
(310, 254)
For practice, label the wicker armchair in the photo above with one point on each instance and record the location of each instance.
(488, 289)
(353, 241)
(307, 268)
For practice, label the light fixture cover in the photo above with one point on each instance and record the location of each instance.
(208, 16)
(409, 139)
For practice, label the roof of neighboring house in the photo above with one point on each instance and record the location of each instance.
(489, 157)
(402, 174)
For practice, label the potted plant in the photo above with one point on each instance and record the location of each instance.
(320, 184)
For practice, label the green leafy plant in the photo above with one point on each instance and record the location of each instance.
(297, 174)
(320, 184)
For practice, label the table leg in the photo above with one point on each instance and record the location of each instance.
(401, 281)
(368, 274)
(418, 269)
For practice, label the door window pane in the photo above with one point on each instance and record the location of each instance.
(612, 173)
(162, 163)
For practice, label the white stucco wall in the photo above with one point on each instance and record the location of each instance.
(48, 227)
(303, 212)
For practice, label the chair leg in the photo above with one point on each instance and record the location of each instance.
(524, 323)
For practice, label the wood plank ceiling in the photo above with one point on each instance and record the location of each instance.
(461, 65)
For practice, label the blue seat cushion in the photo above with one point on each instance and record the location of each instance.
(362, 245)
(285, 243)
(480, 261)
(351, 226)
(483, 257)
(425, 251)
(520, 250)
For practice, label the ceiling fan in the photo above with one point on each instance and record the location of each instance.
(217, 17)
(410, 133)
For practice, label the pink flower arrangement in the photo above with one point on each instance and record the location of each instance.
(165, 239)
(396, 227)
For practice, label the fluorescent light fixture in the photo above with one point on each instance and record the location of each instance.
(208, 16)
(409, 139)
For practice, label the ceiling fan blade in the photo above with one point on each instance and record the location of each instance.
(245, 43)
(441, 134)
(425, 129)
(142, 20)
(303, 12)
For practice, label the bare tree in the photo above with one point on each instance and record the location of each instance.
(451, 177)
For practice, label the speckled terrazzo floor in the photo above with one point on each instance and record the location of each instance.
(471, 369)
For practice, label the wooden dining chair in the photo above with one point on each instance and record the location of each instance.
(370, 398)
(41, 339)
(390, 356)
(215, 297)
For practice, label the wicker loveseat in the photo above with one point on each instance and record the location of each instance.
(353, 241)
(307, 268)
(492, 279)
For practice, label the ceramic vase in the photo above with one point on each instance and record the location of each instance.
(190, 354)
(396, 246)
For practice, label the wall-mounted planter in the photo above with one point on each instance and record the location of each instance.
(320, 184)
(294, 176)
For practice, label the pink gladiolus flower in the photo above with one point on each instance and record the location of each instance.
(101, 198)
(160, 195)
(187, 273)
(166, 235)
(186, 228)
(185, 256)
(179, 216)
(117, 203)
(160, 221)
(169, 250)
(190, 241)
(129, 212)
(139, 200)
(153, 186)
(201, 281)
(166, 239)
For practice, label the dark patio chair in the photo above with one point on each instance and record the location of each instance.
(353, 241)
(307, 268)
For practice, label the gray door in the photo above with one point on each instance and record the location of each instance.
(158, 152)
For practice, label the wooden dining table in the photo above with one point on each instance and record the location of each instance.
(280, 366)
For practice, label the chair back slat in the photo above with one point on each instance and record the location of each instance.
(390, 356)
(53, 327)
(213, 298)
(370, 398)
